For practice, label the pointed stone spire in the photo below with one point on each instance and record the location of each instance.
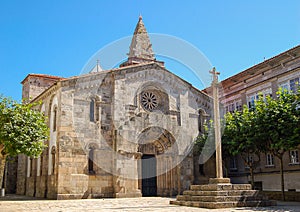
(140, 50)
(141, 47)
(96, 68)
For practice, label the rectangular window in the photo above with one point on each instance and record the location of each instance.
(294, 85)
(238, 106)
(231, 107)
(270, 159)
(233, 164)
(294, 157)
(227, 109)
(234, 106)
(251, 101)
(249, 161)
(267, 92)
(291, 85)
(285, 86)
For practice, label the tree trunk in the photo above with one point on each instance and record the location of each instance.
(252, 177)
(2, 167)
(282, 179)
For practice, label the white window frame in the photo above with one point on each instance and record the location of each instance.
(234, 106)
(269, 160)
(254, 97)
(249, 158)
(251, 100)
(287, 84)
(294, 156)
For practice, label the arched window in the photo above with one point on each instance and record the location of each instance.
(92, 110)
(91, 161)
(54, 119)
(53, 152)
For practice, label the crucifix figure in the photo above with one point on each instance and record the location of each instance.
(215, 87)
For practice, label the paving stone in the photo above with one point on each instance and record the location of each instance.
(16, 203)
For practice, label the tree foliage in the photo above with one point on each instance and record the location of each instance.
(240, 138)
(23, 130)
(272, 127)
(278, 121)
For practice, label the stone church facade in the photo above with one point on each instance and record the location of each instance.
(125, 132)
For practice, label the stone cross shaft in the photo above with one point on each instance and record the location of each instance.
(215, 87)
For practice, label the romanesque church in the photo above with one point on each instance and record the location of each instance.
(124, 132)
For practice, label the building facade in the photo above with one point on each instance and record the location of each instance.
(125, 132)
(283, 71)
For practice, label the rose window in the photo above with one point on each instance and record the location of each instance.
(149, 101)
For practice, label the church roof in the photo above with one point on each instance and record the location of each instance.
(55, 78)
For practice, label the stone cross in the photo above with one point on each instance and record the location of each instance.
(215, 87)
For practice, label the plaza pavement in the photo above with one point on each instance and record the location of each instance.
(21, 203)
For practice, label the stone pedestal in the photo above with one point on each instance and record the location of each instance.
(220, 193)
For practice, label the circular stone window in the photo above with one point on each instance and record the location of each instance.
(149, 100)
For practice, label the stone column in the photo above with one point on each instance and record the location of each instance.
(215, 87)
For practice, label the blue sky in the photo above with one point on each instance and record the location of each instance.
(58, 37)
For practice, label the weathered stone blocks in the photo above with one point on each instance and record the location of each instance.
(222, 195)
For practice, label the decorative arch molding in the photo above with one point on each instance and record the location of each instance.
(157, 141)
(91, 145)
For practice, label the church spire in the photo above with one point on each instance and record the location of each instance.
(140, 49)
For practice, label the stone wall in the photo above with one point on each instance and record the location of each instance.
(277, 195)
(11, 175)
(21, 174)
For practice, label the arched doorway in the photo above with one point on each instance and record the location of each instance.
(158, 171)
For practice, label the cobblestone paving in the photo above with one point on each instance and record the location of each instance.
(126, 204)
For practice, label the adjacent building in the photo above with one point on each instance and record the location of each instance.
(265, 78)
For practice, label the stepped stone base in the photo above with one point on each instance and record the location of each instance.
(220, 193)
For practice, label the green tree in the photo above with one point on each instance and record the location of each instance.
(278, 125)
(23, 130)
(204, 146)
(239, 138)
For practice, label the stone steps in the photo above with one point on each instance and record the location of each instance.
(219, 198)
(220, 193)
(213, 205)
(220, 187)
